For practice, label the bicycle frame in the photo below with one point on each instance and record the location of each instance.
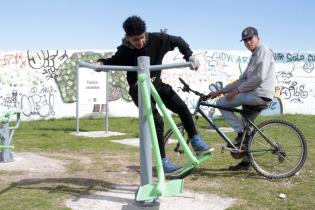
(272, 137)
(248, 122)
(211, 122)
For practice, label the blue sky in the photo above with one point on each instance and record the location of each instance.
(204, 24)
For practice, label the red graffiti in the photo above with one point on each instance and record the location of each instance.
(13, 59)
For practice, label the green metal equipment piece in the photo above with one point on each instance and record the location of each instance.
(162, 187)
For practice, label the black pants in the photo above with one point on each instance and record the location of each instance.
(174, 103)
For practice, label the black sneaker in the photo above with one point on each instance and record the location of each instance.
(236, 142)
(242, 166)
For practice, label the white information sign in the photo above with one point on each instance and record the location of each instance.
(92, 87)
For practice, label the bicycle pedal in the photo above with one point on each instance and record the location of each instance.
(224, 147)
(200, 153)
(228, 149)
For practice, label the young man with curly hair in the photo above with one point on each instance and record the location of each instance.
(137, 42)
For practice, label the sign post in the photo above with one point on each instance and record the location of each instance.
(92, 88)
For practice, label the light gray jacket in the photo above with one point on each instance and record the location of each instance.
(259, 76)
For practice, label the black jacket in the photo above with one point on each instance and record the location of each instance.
(156, 46)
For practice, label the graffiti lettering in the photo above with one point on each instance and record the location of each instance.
(210, 64)
(215, 67)
(11, 101)
(43, 59)
(49, 73)
(40, 102)
(284, 77)
(242, 59)
(294, 92)
(13, 59)
(278, 56)
(221, 56)
(274, 107)
(295, 57)
(311, 58)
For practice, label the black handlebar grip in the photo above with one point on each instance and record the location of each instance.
(182, 81)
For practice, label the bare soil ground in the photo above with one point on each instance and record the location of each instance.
(118, 176)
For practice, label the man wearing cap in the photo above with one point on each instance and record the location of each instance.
(256, 86)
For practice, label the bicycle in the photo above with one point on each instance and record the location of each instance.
(275, 148)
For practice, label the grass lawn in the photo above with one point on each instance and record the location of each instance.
(95, 164)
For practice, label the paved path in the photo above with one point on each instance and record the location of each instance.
(123, 198)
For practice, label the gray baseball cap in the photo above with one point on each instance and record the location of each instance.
(249, 32)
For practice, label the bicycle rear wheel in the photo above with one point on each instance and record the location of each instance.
(283, 155)
(175, 153)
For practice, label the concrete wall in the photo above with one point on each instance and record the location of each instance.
(42, 83)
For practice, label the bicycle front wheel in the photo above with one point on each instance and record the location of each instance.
(278, 149)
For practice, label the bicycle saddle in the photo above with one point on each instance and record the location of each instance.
(257, 108)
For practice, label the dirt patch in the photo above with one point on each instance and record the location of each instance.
(123, 198)
(34, 164)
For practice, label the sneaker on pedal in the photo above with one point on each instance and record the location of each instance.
(199, 146)
(168, 166)
(242, 166)
(236, 142)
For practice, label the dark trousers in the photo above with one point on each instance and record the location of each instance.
(174, 103)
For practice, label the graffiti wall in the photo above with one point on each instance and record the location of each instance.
(42, 83)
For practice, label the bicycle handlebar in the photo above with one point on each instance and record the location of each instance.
(186, 88)
(182, 81)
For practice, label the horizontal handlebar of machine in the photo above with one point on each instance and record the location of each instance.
(147, 191)
(134, 68)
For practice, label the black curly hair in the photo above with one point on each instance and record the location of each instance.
(134, 26)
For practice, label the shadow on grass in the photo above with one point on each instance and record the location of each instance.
(225, 172)
(135, 168)
(79, 188)
(76, 187)
(210, 173)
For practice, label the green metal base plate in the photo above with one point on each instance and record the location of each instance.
(153, 191)
(189, 167)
